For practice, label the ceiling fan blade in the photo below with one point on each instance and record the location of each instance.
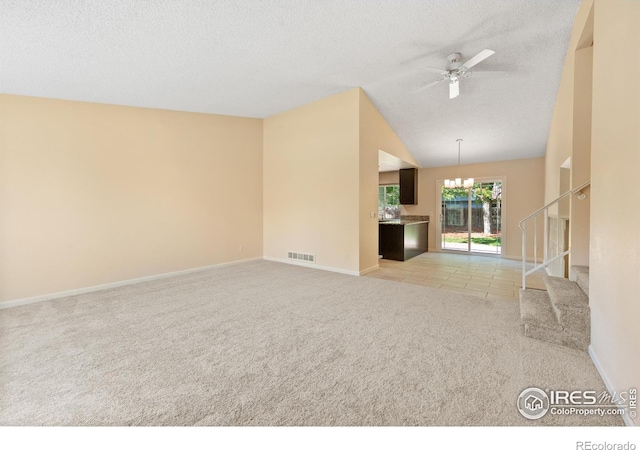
(426, 86)
(454, 89)
(484, 54)
(434, 70)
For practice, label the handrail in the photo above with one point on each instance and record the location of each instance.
(548, 262)
(548, 205)
(522, 224)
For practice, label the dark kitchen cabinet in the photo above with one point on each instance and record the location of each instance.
(400, 241)
(408, 186)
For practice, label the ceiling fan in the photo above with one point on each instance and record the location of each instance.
(457, 70)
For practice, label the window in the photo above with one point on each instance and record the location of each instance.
(388, 202)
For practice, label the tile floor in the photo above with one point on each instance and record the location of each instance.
(481, 276)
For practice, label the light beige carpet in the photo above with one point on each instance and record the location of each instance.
(263, 343)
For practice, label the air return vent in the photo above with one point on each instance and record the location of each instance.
(302, 257)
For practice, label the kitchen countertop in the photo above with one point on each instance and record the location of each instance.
(401, 222)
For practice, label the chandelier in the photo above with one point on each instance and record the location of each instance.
(459, 182)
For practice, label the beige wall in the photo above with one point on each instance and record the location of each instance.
(597, 119)
(615, 165)
(93, 194)
(581, 153)
(321, 181)
(311, 184)
(570, 135)
(524, 194)
(375, 135)
(561, 133)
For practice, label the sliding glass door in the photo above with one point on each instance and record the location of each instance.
(455, 223)
(471, 219)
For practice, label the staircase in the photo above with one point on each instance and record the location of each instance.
(560, 314)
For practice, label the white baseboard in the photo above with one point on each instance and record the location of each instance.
(100, 287)
(628, 421)
(369, 270)
(312, 266)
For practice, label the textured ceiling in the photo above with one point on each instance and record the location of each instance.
(257, 58)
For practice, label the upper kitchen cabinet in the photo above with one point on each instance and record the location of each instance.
(408, 186)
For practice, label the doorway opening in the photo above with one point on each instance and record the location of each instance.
(471, 220)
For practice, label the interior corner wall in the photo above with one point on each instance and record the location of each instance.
(311, 184)
(579, 223)
(524, 194)
(92, 194)
(560, 141)
(374, 134)
(615, 164)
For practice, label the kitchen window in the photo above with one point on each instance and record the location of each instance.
(389, 202)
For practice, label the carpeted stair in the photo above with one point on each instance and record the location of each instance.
(581, 274)
(560, 314)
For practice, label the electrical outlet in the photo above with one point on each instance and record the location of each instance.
(240, 247)
(372, 214)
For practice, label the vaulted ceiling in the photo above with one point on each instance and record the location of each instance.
(257, 58)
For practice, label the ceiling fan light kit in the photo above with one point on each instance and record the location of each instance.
(456, 71)
(454, 88)
(459, 182)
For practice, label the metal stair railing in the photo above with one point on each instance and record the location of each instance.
(546, 260)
